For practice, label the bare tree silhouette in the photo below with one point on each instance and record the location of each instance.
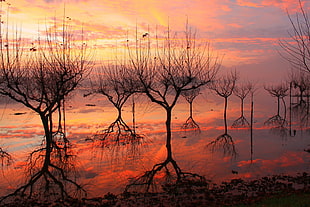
(300, 80)
(253, 89)
(52, 177)
(297, 48)
(117, 84)
(241, 91)
(279, 91)
(190, 123)
(178, 67)
(299, 89)
(224, 87)
(41, 79)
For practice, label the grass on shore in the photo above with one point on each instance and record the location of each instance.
(293, 200)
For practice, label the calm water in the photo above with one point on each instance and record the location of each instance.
(274, 150)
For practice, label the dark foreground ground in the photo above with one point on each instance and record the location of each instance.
(277, 190)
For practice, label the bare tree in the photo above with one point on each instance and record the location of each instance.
(299, 90)
(252, 89)
(224, 87)
(300, 80)
(278, 91)
(241, 91)
(41, 78)
(190, 123)
(177, 67)
(297, 48)
(117, 83)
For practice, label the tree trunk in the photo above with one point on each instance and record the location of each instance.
(133, 115)
(191, 109)
(252, 120)
(301, 95)
(278, 113)
(119, 110)
(284, 106)
(169, 135)
(225, 116)
(48, 141)
(242, 103)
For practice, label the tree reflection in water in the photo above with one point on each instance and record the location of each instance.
(224, 143)
(278, 91)
(51, 174)
(164, 175)
(41, 81)
(117, 84)
(241, 91)
(224, 87)
(299, 107)
(165, 78)
(190, 123)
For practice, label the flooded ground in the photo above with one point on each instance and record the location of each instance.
(266, 150)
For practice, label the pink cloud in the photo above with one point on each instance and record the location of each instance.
(289, 159)
(286, 5)
(249, 3)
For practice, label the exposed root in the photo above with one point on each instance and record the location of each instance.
(191, 125)
(49, 173)
(223, 142)
(116, 153)
(241, 122)
(161, 177)
(118, 133)
(276, 120)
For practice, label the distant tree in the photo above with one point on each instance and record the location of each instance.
(117, 83)
(253, 89)
(190, 96)
(224, 87)
(279, 91)
(297, 48)
(241, 91)
(41, 78)
(299, 88)
(300, 80)
(175, 68)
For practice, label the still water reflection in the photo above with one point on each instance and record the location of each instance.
(212, 151)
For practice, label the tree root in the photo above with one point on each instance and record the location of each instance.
(48, 181)
(241, 122)
(161, 177)
(117, 134)
(191, 125)
(276, 120)
(45, 184)
(223, 142)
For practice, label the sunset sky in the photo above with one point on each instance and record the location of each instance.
(245, 32)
